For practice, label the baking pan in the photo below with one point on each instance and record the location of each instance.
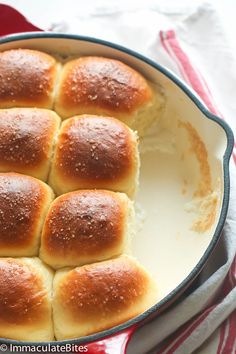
(184, 187)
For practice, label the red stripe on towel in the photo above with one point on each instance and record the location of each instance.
(228, 328)
(171, 54)
(189, 73)
(230, 342)
(222, 337)
(184, 332)
(192, 75)
(228, 338)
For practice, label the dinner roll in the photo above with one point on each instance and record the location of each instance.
(102, 86)
(27, 78)
(95, 152)
(24, 202)
(98, 296)
(86, 226)
(25, 300)
(27, 137)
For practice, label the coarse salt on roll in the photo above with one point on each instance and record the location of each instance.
(27, 78)
(25, 300)
(27, 139)
(99, 296)
(24, 202)
(104, 86)
(87, 226)
(95, 152)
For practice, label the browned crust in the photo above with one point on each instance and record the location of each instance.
(83, 223)
(98, 291)
(102, 83)
(26, 137)
(26, 77)
(94, 149)
(23, 298)
(21, 201)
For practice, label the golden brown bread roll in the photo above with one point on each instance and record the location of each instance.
(98, 296)
(24, 202)
(95, 152)
(103, 86)
(27, 137)
(86, 226)
(27, 78)
(25, 300)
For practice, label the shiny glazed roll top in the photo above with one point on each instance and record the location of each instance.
(95, 152)
(27, 78)
(99, 296)
(27, 138)
(87, 226)
(24, 202)
(103, 86)
(25, 300)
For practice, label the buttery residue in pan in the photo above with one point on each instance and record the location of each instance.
(205, 197)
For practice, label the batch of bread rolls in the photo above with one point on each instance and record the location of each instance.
(69, 170)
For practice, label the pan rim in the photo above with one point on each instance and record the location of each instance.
(225, 202)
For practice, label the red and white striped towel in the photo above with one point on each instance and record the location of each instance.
(204, 322)
(189, 72)
(226, 335)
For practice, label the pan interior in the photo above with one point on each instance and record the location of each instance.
(179, 199)
(181, 178)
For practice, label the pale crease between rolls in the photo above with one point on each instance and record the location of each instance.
(85, 85)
